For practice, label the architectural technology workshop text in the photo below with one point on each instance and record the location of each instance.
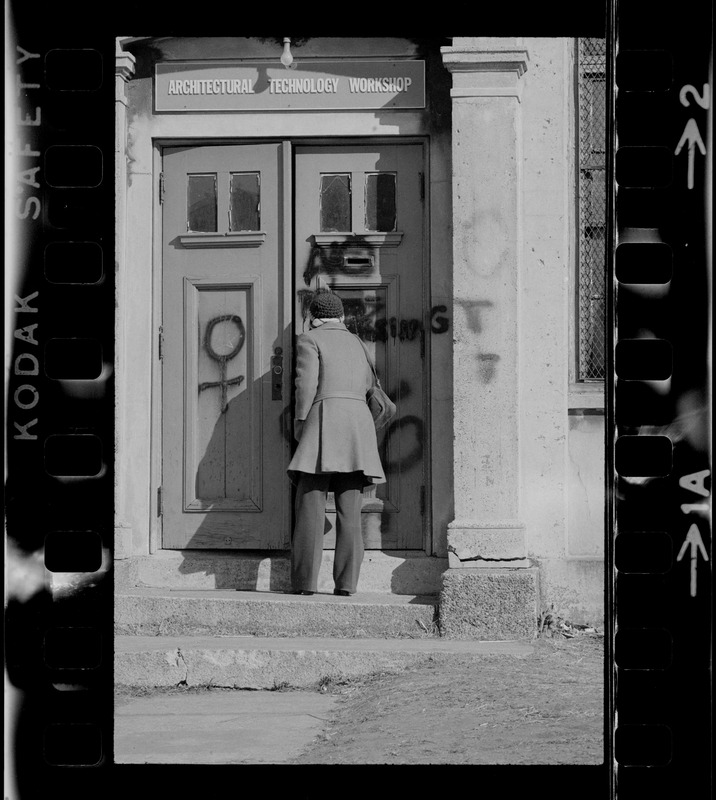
(289, 85)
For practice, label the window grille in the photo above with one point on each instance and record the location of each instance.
(592, 149)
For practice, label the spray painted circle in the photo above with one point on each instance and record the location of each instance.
(224, 357)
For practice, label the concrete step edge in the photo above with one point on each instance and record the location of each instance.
(136, 644)
(238, 596)
(157, 613)
(267, 663)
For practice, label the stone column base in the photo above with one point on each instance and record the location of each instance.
(489, 604)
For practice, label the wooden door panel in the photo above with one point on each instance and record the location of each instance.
(379, 275)
(223, 399)
(225, 448)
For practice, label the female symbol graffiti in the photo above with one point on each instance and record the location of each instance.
(223, 383)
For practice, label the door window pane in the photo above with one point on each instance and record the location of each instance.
(335, 203)
(380, 201)
(245, 202)
(201, 203)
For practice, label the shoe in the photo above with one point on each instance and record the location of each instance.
(341, 593)
(303, 591)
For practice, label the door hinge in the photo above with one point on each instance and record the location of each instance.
(422, 185)
(160, 507)
(422, 500)
(161, 343)
(161, 187)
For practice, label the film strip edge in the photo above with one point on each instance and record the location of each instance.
(60, 404)
(662, 371)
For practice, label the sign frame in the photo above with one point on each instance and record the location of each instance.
(236, 76)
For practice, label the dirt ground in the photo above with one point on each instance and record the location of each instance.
(546, 708)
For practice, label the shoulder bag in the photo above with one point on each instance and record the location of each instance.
(382, 408)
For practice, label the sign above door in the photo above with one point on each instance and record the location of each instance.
(308, 86)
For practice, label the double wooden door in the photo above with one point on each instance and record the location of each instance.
(250, 232)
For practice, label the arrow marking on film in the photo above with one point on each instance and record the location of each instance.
(693, 137)
(694, 540)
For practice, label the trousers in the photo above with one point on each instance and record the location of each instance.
(307, 543)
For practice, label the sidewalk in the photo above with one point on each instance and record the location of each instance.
(218, 726)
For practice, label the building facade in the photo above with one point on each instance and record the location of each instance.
(436, 186)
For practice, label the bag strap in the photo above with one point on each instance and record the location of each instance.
(369, 359)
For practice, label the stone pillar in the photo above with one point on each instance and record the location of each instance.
(124, 69)
(489, 589)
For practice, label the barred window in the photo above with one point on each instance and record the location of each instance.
(591, 148)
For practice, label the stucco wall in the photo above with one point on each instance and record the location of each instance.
(562, 455)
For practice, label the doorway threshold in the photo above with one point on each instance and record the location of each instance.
(408, 572)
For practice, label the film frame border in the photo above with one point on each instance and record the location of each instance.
(106, 535)
(660, 401)
(59, 485)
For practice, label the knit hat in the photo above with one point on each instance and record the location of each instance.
(326, 305)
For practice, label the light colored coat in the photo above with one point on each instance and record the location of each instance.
(332, 378)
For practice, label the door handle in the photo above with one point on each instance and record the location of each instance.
(277, 374)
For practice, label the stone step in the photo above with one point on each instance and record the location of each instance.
(266, 663)
(408, 572)
(161, 612)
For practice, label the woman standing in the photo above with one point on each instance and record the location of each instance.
(337, 447)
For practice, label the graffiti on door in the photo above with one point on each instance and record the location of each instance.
(409, 426)
(235, 341)
(351, 257)
(365, 317)
(367, 314)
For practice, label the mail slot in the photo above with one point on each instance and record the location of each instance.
(357, 263)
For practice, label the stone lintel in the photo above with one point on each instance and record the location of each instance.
(470, 543)
(485, 73)
(462, 60)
